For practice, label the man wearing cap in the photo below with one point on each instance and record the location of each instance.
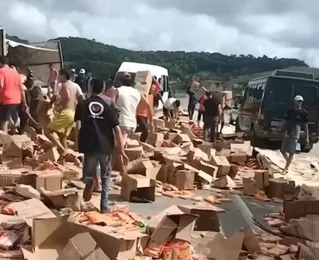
(81, 80)
(73, 75)
(295, 118)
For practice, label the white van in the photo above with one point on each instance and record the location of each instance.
(160, 73)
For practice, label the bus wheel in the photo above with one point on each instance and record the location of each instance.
(306, 149)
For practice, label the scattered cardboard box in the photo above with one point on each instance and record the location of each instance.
(184, 179)
(207, 220)
(179, 226)
(214, 246)
(64, 198)
(134, 152)
(31, 209)
(294, 209)
(49, 180)
(51, 235)
(158, 122)
(262, 178)
(145, 79)
(181, 138)
(238, 158)
(83, 247)
(222, 163)
(250, 187)
(138, 187)
(9, 177)
(51, 155)
(276, 188)
(155, 139)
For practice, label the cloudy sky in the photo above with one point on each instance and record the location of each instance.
(282, 28)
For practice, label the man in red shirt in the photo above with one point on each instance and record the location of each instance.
(11, 94)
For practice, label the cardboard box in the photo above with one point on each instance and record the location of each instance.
(158, 122)
(222, 163)
(276, 188)
(204, 178)
(135, 186)
(214, 246)
(51, 155)
(208, 168)
(238, 158)
(145, 79)
(50, 236)
(17, 145)
(64, 198)
(49, 180)
(28, 210)
(5, 138)
(148, 148)
(294, 209)
(134, 153)
(179, 226)
(250, 187)
(82, 247)
(200, 93)
(9, 177)
(155, 139)
(181, 138)
(184, 179)
(207, 220)
(262, 178)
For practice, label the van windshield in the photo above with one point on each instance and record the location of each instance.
(282, 91)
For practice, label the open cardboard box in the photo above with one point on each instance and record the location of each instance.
(51, 235)
(135, 186)
(172, 223)
(49, 180)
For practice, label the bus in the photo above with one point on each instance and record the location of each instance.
(266, 101)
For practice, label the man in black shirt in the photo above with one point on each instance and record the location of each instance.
(96, 139)
(212, 115)
(295, 118)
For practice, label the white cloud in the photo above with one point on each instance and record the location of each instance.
(285, 30)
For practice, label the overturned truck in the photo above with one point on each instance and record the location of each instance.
(36, 56)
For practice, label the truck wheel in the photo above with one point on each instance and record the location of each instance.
(255, 141)
(237, 128)
(306, 149)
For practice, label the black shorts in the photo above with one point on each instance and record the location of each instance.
(9, 111)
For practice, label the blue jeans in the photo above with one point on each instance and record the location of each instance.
(90, 165)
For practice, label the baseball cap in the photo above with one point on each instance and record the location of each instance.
(298, 98)
(82, 71)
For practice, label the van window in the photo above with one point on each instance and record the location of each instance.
(309, 93)
(165, 83)
(280, 90)
(247, 97)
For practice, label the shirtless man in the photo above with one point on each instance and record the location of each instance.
(63, 122)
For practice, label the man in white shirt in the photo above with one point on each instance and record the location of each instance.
(127, 100)
(170, 108)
